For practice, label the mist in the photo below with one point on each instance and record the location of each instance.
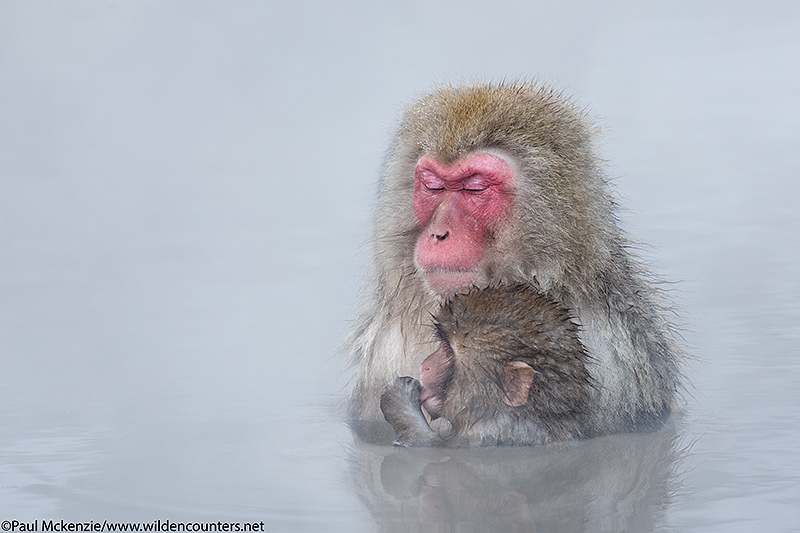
(187, 193)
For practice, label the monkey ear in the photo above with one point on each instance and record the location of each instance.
(517, 382)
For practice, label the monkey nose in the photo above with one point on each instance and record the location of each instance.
(441, 236)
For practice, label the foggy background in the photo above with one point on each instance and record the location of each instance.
(185, 199)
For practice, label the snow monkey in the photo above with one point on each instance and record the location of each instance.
(492, 184)
(510, 370)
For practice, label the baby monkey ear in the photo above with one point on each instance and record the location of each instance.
(517, 381)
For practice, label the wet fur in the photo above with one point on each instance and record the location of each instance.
(564, 241)
(488, 330)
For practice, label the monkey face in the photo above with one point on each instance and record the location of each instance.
(459, 206)
(436, 374)
(473, 381)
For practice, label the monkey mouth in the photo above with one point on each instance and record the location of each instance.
(431, 402)
(447, 282)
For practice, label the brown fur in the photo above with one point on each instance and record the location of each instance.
(562, 239)
(488, 330)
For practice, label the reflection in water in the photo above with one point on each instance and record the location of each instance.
(620, 482)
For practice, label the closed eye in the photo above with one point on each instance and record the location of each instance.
(475, 184)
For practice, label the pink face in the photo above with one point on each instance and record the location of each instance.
(458, 206)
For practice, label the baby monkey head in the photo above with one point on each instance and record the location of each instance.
(504, 349)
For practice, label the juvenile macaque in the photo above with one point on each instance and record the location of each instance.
(499, 184)
(510, 370)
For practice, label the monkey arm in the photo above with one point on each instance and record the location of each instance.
(402, 408)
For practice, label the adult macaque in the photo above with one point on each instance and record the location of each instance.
(510, 370)
(490, 184)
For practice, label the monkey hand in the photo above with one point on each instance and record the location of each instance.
(401, 407)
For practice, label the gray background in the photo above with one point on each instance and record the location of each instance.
(185, 200)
